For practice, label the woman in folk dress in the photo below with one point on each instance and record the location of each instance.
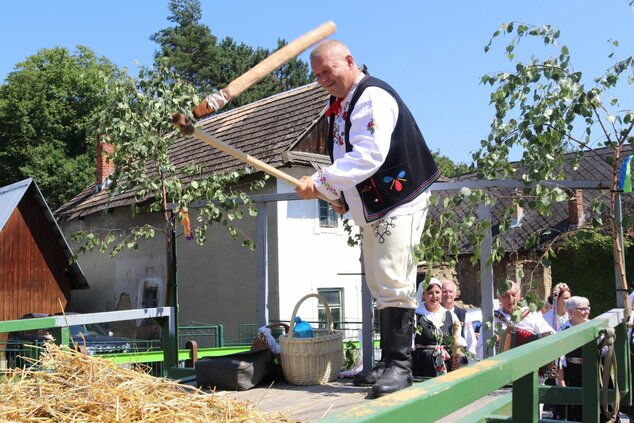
(558, 315)
(438, 345)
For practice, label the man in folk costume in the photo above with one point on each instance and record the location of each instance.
(381, 169)
(509, 295)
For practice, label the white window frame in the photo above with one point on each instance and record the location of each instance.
(333, 307)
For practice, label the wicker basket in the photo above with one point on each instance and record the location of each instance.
(316, 360)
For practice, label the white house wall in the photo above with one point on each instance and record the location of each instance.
(115, 282)
(217, 281)
(311, 258)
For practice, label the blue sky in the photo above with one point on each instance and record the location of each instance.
(431, 52)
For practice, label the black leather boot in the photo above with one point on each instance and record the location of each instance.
(397, 347)
(369, 377)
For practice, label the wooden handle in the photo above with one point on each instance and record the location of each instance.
(216, 101)
(277, 59)
(250, 160)
(455, 362)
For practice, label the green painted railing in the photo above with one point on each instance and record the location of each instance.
(149, 352)
(438, 397)
(144, 353)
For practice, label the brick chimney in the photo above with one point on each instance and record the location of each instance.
(105, 167)
(576, 214)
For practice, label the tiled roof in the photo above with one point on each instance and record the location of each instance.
(263, 129)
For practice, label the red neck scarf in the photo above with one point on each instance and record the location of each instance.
(335, 107)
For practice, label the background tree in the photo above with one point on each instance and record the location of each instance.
(45, 106)
(543, 108)
(448, 167)
(196, 56)
(190, 46)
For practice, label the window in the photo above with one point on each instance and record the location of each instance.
(150, 297)
(333, 297)
(328, 218)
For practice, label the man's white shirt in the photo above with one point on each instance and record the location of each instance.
(533, 322)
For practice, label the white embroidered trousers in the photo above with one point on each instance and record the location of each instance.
(388, 255)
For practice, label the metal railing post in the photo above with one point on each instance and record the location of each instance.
(367, 317)
(221, 336)
(526, 399)
(590, 382)
(486, 278)
(262, 265)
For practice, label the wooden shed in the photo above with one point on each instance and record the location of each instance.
(36, 273)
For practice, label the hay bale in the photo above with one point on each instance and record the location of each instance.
(65, 385)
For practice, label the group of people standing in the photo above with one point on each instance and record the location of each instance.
(445, 340)
(566, 311)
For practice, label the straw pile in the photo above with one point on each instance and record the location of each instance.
(72, 387)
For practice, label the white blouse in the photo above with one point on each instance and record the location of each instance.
(554, 319)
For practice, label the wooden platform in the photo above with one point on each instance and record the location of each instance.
(303, 403)
(311, 403)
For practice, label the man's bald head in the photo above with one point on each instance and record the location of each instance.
(334, 67)
(333, 47)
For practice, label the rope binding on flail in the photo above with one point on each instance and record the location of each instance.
(608, 373)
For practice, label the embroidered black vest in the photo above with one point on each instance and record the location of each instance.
(429, 335)
(409, 168)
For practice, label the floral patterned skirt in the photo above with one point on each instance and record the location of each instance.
(430, 361)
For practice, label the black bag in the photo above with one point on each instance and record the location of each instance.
(240, 371)
(260, 343)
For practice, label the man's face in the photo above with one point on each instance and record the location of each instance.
(334, 72)
(510, 299)
(448, 295)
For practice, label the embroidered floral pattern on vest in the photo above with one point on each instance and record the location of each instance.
(396, 182)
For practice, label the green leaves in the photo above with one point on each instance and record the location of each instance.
(44, 108)
(543, 124)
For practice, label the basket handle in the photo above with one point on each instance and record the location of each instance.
(291, 332)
